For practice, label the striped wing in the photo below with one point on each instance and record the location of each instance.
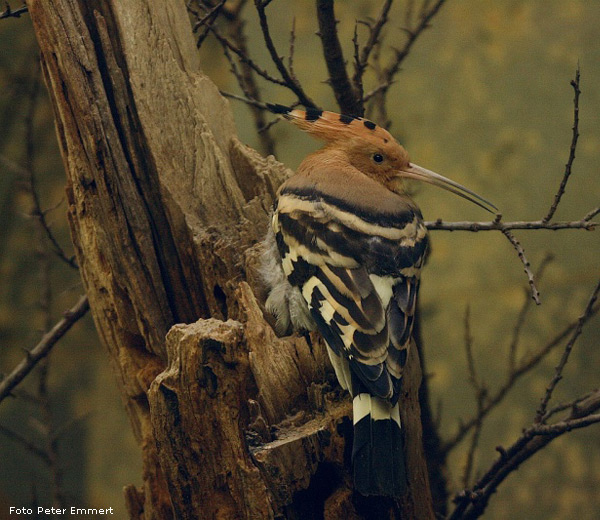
(358, 272)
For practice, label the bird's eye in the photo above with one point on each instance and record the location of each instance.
(378, 158)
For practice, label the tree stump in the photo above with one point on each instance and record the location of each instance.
(167, 209)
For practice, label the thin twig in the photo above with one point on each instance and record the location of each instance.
(386, 75)
(248, 101)
(379, 89)
(209, 17)
(540, 415)
(28, 445)
(480, 393)
(427, 15)
(246, 59)
(288, 81)
(361, 60)
(565, 426)
(591, 214)
(573, 403)
(573, 147)
(29, 170)
(42, 349)
(245, 77)
(9, 13)
(514, 343)
(535, 294)
(38, 213)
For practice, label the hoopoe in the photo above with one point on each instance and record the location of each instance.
(343, 256)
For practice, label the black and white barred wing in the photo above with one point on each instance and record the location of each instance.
(335, 268)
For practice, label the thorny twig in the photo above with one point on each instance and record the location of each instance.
(573, 403)
(245, 58)
(40, 214)
(248, 101)
(471, 503)
(375, 33)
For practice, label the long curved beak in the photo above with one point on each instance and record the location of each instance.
(422, 174)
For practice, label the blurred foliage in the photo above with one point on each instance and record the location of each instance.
(97, 452)
(483, 98)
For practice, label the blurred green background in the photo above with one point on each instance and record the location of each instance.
(483, 98)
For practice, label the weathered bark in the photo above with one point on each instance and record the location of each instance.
(166, 208)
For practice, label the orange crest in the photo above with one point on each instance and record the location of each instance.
(330, 126)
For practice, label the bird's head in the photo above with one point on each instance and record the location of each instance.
(372, 150)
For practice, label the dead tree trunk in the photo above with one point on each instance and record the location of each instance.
(166, 208)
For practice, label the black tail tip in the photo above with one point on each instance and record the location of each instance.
(378, 458)
(278, 109)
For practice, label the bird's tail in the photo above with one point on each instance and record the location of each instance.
(378, 450)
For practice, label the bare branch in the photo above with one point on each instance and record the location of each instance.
(584, 223)
(292, 50)
(379, 89)
(375, 32)
(569, 165)
(583, 412)
(38, 212)
(541, 413)
(42, 349)
(345, 95)
(472, 503)
(524, 367)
